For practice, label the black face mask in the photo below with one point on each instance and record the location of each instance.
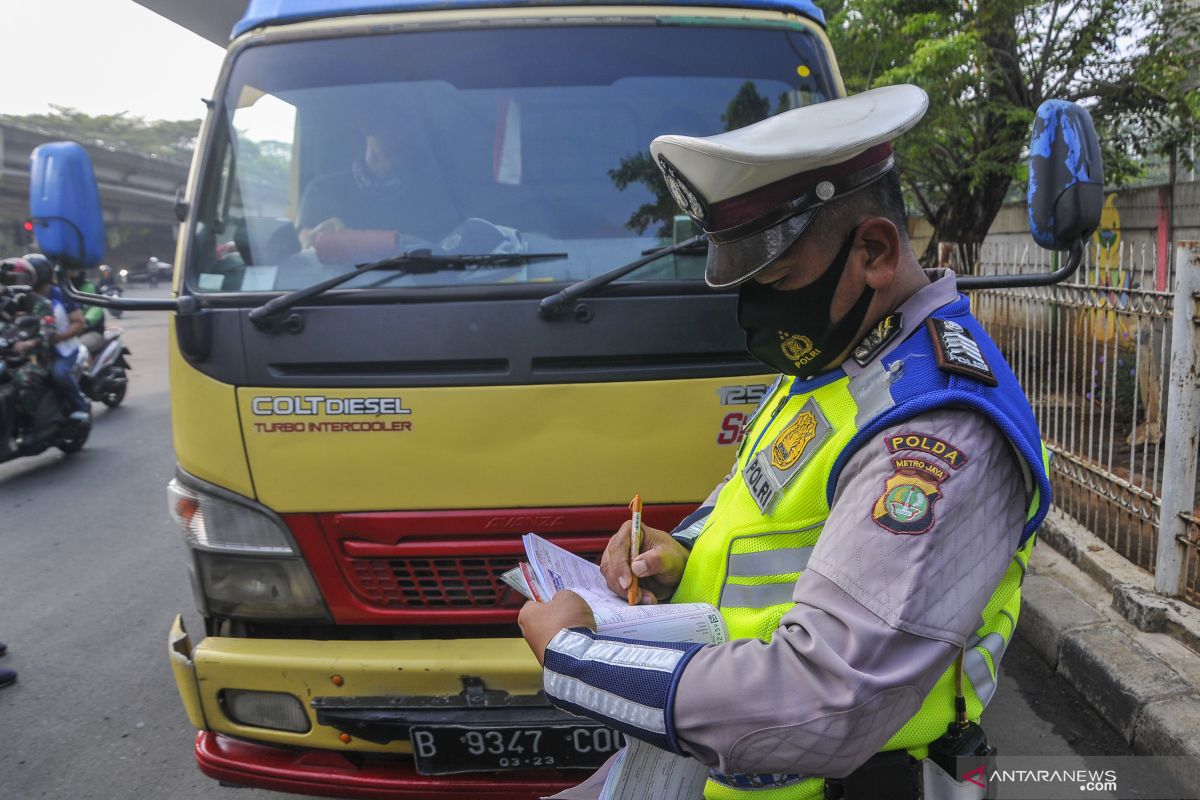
(790, 331)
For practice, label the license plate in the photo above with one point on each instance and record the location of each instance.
(447, 749)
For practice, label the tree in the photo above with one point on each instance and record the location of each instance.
(746, 108)
(173, 139)
(988, 64)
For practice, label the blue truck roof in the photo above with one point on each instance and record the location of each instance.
(268, 12)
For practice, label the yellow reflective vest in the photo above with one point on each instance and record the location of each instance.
(768, 517)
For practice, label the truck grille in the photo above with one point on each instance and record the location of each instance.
(433, 582)
(443, 567)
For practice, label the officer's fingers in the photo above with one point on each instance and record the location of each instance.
(614, 564)
(652, 537)
(648, 563)
(662, 561)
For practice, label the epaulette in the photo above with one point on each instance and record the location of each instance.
(957, 351)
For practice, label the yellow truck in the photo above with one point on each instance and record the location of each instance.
(360, 448)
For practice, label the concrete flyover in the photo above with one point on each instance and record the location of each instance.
(212, 19)
(137, 193)
(135, 189)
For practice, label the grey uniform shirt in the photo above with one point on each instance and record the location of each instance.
(886, 602)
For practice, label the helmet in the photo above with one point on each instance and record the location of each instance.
(41, 267)
(17, 272)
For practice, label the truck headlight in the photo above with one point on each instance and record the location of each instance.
(246, 565)
(226, 523)
(275, 710)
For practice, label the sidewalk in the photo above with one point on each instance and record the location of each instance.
(1134, 656)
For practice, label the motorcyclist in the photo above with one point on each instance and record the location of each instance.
(107, 280)
(93, 316)
(19, 272)
(68, 324)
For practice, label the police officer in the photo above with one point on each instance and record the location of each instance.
(867, 550)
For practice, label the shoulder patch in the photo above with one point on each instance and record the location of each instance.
(906, 505)
(958, 352)
(925, 443)
(879, 336)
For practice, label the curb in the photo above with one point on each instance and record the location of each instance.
(1133, 655)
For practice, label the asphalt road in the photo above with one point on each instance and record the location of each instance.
(92, 572)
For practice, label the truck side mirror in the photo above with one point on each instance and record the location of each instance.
(1066, 176)
(64, 204)
(1066, 191)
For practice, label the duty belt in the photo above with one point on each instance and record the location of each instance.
(893, 774)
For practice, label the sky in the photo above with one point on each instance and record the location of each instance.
(105, 56)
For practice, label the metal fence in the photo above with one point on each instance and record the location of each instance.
(1094, 356)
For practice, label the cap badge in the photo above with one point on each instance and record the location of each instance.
(685, 196)
(825, 190)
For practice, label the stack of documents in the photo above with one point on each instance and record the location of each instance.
(551, 568)
(640, 771)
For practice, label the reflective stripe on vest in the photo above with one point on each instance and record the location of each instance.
(788, 562)
(768, 562)
(976, 666)
(982, 678)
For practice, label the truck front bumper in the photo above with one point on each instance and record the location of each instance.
(350, 748)
(329, 774)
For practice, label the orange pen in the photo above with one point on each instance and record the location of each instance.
(635, 544)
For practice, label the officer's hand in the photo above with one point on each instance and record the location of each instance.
(659, 567)
(24, 346)
(541, 622)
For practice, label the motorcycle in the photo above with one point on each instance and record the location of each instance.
(112, 290)
(110, 285)
(101, 373)
(33, 415)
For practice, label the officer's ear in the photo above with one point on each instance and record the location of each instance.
(880, 239)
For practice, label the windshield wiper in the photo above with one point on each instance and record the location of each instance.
(553, 305)
(413, 262)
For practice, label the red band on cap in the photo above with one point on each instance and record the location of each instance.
(757, 202)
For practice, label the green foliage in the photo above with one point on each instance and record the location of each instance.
(173, 139)
(988, 64)
(745, 108)
(640, 168)
(267, 162)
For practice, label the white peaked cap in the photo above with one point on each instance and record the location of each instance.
(755, 189)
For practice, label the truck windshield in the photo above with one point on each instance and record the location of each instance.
(333, 152)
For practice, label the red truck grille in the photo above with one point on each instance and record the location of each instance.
(442, 567)
(433, 582)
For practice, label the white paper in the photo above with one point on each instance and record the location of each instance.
(682, 622)
(640, 771)
(644, 772)
(258, 279)
(517, 581)
(556, 568)
(211, 281)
